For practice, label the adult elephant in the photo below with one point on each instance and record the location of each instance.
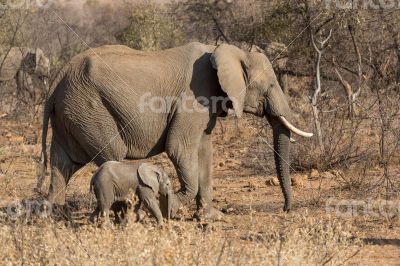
(29, 67)
(114, 102)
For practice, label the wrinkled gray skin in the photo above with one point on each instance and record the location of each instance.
(95, 111)
(29, 67)
(113, 180)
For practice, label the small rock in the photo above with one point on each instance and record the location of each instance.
(272, 181)
(298, 180)
(228, 210)
(327, 175)
(314, 174)
(221, 164)
(244, 150)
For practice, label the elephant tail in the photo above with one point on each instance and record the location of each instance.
(48, 109)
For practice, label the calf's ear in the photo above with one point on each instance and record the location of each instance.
(150, 176)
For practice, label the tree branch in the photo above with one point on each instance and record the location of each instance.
(317, 91)
(221, 32)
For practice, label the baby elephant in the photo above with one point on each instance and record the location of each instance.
(112, 181)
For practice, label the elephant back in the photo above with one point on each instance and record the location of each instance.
(10, 62)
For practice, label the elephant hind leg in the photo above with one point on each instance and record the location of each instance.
(62, 168)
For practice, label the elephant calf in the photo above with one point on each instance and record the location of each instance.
(111, 184)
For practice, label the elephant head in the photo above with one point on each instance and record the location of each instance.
(166, 193)
(31, 61)
(250, 83)
(159, 182)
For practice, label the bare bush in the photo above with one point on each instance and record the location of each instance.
(151, 27)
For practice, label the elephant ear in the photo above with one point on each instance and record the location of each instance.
(150, 176)
(12, 63)
(41, 63)
(230, 63)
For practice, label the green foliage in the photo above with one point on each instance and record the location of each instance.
(151, 28)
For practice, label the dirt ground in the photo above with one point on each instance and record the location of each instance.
(254, 229)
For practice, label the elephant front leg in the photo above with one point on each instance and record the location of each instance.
(188, 145)
(205, 210)
(185, 161)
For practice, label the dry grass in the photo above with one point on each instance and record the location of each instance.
(300, 241)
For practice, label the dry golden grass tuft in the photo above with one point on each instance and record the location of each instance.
(300, 240)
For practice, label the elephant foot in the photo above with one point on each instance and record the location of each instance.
(210, 214)
(287, 207)
(160, 224)
(104, 220)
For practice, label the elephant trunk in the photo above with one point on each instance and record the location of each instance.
(166, 203)
(281, 136)
(169, 205)
(278, 114)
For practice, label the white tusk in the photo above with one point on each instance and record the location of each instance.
(294, 129)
